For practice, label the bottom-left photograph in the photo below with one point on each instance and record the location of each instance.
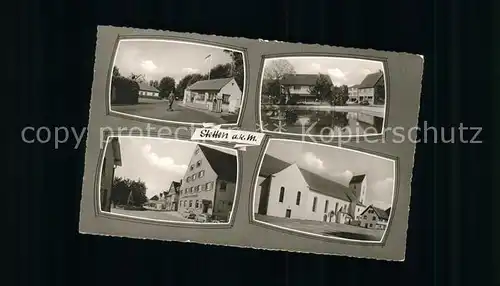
(168, 180)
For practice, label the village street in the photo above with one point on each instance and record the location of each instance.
(159, 215)
(157, 109)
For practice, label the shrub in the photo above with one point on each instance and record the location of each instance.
(293, 100)
(291, 116)
(126, 90)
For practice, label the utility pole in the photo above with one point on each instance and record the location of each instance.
(209, 59)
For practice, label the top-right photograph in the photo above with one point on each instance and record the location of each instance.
(323, 96)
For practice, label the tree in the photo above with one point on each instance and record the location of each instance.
(277, 69)
(272, 88)
(340, 95)
(274, 72)
(237, 69)
(187, 81)
(116, 71)
(154, 83)
(137, 77)
(221, 71)
(379, 93)
(127, 191)
(322, 88)
(126, 91)
(166, 86)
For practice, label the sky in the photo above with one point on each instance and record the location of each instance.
(340, 165)
(155, 161)
(156, 59)
(341, 70)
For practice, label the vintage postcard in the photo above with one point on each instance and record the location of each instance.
(250, 143)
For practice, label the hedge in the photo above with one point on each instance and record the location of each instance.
(127, 90)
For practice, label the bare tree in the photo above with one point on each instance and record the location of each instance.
(137, 77)
(276, 69)
(154, 83)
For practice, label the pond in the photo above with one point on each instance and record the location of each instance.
(356, 236)
(318, 121)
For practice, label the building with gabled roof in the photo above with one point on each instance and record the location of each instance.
(209, 184)
(299, 86)
(374, 218)
(217, 95)
(367, 88)
(112, 158)
(172, 196)
(288, 190)
(145, 90)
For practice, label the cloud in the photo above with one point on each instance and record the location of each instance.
(380, 204)
(381, 194)
(337, 73)
(148, 65)
(190, 70)
(165, 163)
(313, 161)
(366, 71)
(316, 66)
(343, 177)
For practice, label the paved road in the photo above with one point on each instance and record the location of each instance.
(160, 215)
(157, 109)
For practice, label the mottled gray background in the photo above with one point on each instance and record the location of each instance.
(403, 74)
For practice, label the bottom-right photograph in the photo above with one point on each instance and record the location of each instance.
(325, 191)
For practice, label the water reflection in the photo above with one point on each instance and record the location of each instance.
(319, 122)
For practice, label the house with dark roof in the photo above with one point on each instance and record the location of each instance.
(209, 184)
(299, 85)
(375, 218)
(367, 88)
(291, 191)
(172, 196)
(145, 90)
(353, 94)
(112, 159)
(156, 203)
(217, 95)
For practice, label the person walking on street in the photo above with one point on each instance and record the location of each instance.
(170, 101)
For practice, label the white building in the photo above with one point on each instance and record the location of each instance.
(353, 95)
(287, 190)
(300, 85)
(217, 95)
(366, 89)
(209, 184)
(374, 218)
(112, 159)
(145, 90)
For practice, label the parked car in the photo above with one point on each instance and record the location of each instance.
(203, 218)
(191, 216)
(351, 101)
(365, 102)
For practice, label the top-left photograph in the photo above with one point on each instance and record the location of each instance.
(176, 81)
